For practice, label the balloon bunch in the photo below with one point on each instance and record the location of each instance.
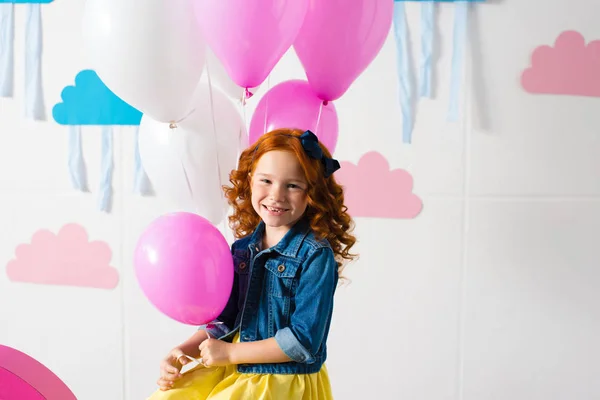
(153, 54)
(335, 41)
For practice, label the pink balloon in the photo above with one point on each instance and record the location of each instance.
(339, 39)
(185, 268)
(250, 36)
(293, 104)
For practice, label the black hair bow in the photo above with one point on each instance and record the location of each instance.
(310, 143)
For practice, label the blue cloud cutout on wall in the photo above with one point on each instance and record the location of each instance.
(91, 102)
(27, 1)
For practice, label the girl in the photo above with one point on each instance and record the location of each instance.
(270, 340)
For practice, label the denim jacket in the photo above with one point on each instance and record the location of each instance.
(285, 292)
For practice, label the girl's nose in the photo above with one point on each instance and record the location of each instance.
(277, 193)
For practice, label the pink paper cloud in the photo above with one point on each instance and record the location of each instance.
(373, 190)
(68, 258)
(568, 68)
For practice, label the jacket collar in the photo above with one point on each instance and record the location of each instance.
(289, 244)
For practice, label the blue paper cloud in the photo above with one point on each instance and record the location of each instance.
(27, 1)
(90, 102)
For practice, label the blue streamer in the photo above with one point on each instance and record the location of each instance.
(460, 36)
(34, 97)
(427, 27)
(7, 49)
(403, 65)
(106, 170)
(141, 183)
(76, 164)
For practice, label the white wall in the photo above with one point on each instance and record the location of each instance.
(490, 293)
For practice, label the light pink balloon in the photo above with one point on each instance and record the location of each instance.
(185, 268)
(293, 104)
(339, 39)
(250, 36)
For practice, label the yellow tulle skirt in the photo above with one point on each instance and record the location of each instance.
(225, 383)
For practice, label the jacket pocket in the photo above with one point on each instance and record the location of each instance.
(281, 277)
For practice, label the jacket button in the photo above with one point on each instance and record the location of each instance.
(242, 265)
(281, 268)
(256, 248)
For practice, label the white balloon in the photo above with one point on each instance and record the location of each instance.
(219, 77)
(183, 163)
(150, 53)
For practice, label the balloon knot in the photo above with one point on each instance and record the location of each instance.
(172, 125)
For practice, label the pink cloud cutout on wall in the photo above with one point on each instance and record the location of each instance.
(373, 190)
(568, 68)
(68, 258)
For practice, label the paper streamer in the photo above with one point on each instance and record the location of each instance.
(404, 71)
(34, 96)
(105, 190)
(427, 28)
(76, 163)
(7, 49)
(141, 182)
(460, 36)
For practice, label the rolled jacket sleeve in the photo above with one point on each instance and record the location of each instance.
(311, 317)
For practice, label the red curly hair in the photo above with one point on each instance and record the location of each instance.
(326, 211)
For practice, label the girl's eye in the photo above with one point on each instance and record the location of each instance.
(292, 186)
(265, 181)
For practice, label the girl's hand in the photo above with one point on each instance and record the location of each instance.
(215, 352)
(170, 368)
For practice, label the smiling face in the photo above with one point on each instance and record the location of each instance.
(278, 193)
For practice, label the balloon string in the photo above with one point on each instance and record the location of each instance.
(245, 127)
(200, 360)
(267, 104)
(173, 128)
(319, 118)
(214, 125)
